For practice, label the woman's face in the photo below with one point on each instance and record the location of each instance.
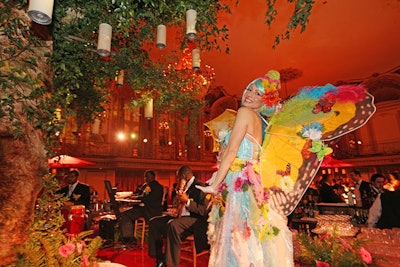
(253, 98)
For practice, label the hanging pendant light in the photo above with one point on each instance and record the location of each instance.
(196, 59)
(120, 78)
(161, 36)
(148, 109)
(96, 126)
(41, 11)
(191, 24)
(104, 40)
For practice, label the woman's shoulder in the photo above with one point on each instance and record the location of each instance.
(246, 111)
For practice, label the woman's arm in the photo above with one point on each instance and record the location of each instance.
(240, 126)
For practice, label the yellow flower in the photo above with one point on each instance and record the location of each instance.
(237, 165)
(269, 233)
(256, 167)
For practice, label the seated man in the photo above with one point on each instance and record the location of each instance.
(152, 200)
(191, 219)
(78, 193)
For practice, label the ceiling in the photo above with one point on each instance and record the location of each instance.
(344, 40)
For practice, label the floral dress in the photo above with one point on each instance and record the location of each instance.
(244, 228)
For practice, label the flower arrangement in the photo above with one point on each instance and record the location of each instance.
(331, 250)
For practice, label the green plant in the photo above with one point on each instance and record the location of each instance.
(47, 244)
(333, 251)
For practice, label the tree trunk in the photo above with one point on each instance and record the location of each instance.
(23, 161)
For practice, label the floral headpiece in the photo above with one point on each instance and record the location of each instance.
(271, 84)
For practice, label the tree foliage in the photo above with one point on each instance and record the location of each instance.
(78, 82)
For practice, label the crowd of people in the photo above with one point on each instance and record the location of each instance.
(379, 195)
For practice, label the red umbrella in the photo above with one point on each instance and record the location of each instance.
(329, 162)
(65, 161)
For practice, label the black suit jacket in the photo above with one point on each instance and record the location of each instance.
(390, 216)
(153, 200)
(365, 194)
(80, 195)
(327, 194)
(199, 209)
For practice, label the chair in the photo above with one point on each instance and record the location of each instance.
(140, 228)
(189, 247)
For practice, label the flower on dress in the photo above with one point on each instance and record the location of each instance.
(221, 135)
(247, 230)
(271, 232)
(237, 165)
(238, 184)
(66, 250)
(365, 255)
(286, 184)
(256, 167)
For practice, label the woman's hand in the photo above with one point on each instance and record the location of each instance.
(208, 189)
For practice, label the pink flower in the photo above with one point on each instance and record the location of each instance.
(85, 261)
(238, 184)
(247, 231)
(266, 195)
(322, 264)
(365, 255)
(66, 250)
(222, 187)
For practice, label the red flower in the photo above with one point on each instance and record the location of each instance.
(239, 184)
(365, 255)
(271, 98)
(322, 264)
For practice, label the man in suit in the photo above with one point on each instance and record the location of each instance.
(326, 192)
(362, 190)
(152, 200)
(191, 219)
(78, 193)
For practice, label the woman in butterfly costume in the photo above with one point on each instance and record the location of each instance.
(266, 166)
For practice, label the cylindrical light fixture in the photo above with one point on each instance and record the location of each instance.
(104, 40)
(196, 59)
(148, 109)
(96, 126)
(41, 11)
(191, 24)
(161, 36)
(120, 78)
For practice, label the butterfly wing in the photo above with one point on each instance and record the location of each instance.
(298, 132)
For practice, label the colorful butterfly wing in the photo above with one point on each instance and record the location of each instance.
(297, 133)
